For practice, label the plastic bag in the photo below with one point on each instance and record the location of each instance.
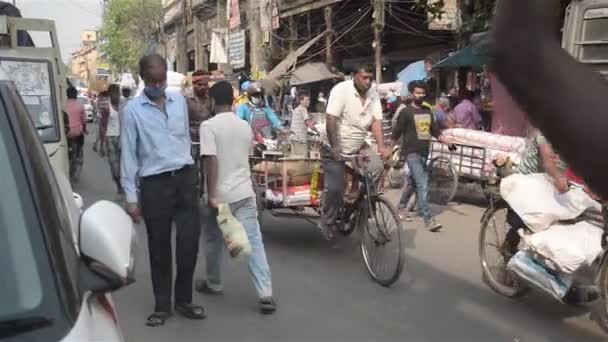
(531, 271)
(569, 247)
(235, 236)
(536, 200)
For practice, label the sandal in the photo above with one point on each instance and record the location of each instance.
(157, 319)
(191, 311)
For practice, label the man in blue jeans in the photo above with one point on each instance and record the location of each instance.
(225, 146)
(414, 129)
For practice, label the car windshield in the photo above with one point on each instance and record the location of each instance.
(34, 83)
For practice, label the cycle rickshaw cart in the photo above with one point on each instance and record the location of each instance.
(286, 185)
(590, 284)
(452, 165)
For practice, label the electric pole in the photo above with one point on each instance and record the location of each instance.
(378, 28)
(255, 48)
(329, 37)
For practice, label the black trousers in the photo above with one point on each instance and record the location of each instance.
(167, 198)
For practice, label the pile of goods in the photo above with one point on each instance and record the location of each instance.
(556, 251)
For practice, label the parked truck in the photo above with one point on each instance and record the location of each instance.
(585, 34)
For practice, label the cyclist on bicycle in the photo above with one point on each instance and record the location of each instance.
(352, 111)
(77, 119)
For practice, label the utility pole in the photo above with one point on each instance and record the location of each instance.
(329, 37)
(255, 41)
(182, 36)
(293, 34)
(378, 28)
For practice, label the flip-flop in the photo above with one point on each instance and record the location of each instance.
(191, 311)
(157, 319)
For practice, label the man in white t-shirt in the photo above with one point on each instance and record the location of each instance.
(225, 145)
(352, 111)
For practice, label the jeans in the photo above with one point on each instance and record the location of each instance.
(334, 182)
(168, 198)
(246, 212)
(417, 182)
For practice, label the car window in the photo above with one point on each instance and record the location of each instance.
(35, 85)
(20, 284)
(35, 286)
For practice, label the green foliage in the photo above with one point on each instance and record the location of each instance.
(129, 27)
(483, 12)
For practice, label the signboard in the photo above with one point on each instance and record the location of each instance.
(236, 49)
(450, 19)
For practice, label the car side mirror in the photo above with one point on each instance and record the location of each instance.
(107, 244)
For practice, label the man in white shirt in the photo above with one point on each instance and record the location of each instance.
(353, 110)
(226, 145)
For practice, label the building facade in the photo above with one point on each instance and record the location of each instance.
(89, 64)
(208, 34)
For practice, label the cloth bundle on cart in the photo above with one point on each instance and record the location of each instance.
(299, 172)
(568, 246)
(479, 150)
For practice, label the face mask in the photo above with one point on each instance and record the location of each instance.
(154, 92)
(256, 101)
(419, 101)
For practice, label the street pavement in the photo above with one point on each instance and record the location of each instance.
(324, 293)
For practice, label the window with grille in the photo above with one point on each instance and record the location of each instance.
(594, 36)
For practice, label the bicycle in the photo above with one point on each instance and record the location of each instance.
(499, 278)
(370, 213)
(76, 158)
(377, 220)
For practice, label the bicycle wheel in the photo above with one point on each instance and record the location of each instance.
(381, 245)
(600, 315)
(493, 261)
(443, 181)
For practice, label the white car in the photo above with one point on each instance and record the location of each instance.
(88, 107)
(59, 264)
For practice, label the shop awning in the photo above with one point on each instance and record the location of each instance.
(311, 73)
(474, 55)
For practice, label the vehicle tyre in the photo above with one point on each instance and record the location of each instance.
(381, 240)
(497, 277)
(443, 181)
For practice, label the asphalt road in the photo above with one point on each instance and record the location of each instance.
(325, 294)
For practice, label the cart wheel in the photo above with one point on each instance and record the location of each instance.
(443, 181)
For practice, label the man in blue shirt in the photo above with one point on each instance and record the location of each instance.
(160, 183)
(258, 114)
